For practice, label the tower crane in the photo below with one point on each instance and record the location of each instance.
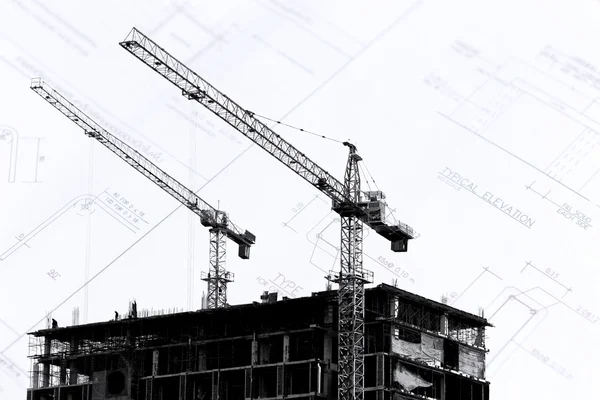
(218, 222)
(354, 206)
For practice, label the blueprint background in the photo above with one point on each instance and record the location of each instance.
(502, 93)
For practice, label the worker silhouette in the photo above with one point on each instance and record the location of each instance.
(54, 324)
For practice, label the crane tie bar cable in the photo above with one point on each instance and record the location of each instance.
(293, 127)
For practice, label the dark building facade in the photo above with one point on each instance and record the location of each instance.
(415, 348)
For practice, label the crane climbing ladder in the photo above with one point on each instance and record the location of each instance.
(218, 222)
(353, 205)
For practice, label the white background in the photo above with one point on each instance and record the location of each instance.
(502, 93)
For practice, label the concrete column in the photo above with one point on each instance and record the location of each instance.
(394, 306)
(63, 371)
(46, 367)
(149, 388)
(73, 373)
(264, 353)
(155, 363)
(286, 348)
(254, 359)
(73, 349)
(281, 368)
(248, 383)
(310, 373)
(444, 324)
(36, 376)
(380, 370)
(201, 358)
(443, 394)
(262, 391)
(182, 387)
(327, 383)
(327, 348)
(391, 305)
(215, 385)
(280, 381)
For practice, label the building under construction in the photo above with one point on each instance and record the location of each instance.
(415, 348)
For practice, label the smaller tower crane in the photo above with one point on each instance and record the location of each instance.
(220, 225)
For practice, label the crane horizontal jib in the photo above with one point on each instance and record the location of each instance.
(195, 87)
(209, 216)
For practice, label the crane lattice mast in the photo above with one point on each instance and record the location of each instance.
(354, 206)
(220, 226)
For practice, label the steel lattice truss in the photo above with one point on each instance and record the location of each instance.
(351, 293)
(218, 277)
(196, 88)
(209, 216)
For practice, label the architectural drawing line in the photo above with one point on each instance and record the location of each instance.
(520, 293)
(65, 23)
(311, 259)
(512, 339)
(183, 11)
(14, 148)
(284, 225)
(494, 76)
(529, 264)
(162, 23)
(512, 154)
(568, 146)
(512, 83)
(588, 181)
(124, 222)
(557, 301)
(43, 22)
(9, 327)
(414, 5)
(37, 159)
(121, 254)
(485, 269)
(303, 208)
(303, 28)
(534, 313)
(533, 354)
(34, 232)
(283, 54)
(13, 365)
(282, 289)
(117, 200)
(545, 197)
(98, 106)
(491, 204)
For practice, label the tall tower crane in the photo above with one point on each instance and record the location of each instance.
(354, 206)
(220, 225)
